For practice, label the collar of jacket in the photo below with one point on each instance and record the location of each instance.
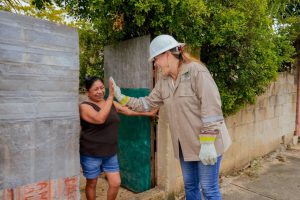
(185, 67)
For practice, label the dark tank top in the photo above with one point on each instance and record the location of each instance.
(100, 139)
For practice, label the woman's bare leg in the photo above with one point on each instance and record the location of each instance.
(114, 182)
(90, 189)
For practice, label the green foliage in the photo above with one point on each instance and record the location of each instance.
(240, 51)
(118, 20)
(50, 11)
(237, 39)
(243, 42)
(286, 16)
(91, 56)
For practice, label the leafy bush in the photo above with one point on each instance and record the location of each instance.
(237, 39)
(91, 54)
(243, 42)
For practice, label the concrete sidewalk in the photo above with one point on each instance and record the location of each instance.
(277, 176)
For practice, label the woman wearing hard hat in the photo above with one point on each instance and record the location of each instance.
(193, 104)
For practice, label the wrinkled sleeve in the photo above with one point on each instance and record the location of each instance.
(210, 101)
(144, 104)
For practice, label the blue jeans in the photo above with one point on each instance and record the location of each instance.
(199, 178)
(93, 166)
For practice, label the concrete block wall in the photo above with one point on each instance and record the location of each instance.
(39, 118)
(259, 129)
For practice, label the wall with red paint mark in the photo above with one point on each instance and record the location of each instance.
(63, 188)
(39, 120)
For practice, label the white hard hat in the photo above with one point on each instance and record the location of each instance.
(161, 44)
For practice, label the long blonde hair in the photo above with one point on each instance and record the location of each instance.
(187, 58)
(183, 56)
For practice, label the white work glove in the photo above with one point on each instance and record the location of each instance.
(208, 154)
(121, 98)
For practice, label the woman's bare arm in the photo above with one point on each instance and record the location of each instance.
(126, 111)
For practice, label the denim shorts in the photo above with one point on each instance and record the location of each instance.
(93, 166)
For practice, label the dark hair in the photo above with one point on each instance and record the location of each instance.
(90, 80)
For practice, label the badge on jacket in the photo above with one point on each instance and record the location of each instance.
(185, 76)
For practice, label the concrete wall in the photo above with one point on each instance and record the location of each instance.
(256, 130)
(259, 129)
(39, 120)
(61, 188)
(128, 63)
(169, 176)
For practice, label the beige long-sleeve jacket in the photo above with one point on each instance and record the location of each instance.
(193, 103)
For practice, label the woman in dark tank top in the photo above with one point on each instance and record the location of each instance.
(99, 136)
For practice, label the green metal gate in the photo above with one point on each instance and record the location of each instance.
(135, 148)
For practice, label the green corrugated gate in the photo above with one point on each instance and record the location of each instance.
(135, 148)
